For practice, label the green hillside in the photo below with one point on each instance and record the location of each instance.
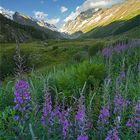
(9, 29)
(114, 28)
(53, 52)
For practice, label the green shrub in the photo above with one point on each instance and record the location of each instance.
(71, 79)
(7, 124)
(6, 95)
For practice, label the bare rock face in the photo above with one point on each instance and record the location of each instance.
(26, 20)
(92, 18)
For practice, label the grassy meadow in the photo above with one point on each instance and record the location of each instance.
(71, 89)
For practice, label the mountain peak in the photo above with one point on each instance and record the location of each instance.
(26, 20)
(6, 12)
(96, 17)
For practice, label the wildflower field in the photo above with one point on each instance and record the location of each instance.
(96, 98)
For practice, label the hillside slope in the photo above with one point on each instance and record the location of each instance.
(103, 17)
(114, 28)
(9, 28)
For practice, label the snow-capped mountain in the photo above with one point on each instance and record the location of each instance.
(92, 18)
(43, 23)
(6, 12)
(26, 20)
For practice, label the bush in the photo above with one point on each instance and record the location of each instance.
(73, 78)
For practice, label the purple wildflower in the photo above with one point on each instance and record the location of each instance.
(120, 47)
(112, 135)
(22, 98)
(81, 122)
(65, 127)
(134, 122)
(119, 104)
(16, 117)
(104, 116)
(64, 122)
(82, 137)
(106, 52)
(47, 108)
(80, 113)
(63, 115)
(129, 124)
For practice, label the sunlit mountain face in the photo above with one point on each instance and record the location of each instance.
(55, 12)
(94, 17)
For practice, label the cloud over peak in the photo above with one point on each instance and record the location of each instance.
(63, 9)
(88, 4)
(43, 16)
(53, 21)
(40, 15)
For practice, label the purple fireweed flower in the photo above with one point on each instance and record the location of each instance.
(134, 122)
(47, 109)
(119, 104)
(112, 135)
(103, 118)
(80, 114)
(104, 115)
(129, 123)
(16, 117)
(63, 115)
(65, 127)
(120, 47)
(107, 52)
(64, 121)
(81, 122)
(22, 98)
(82, 137)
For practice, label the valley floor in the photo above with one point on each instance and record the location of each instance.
(87, 89)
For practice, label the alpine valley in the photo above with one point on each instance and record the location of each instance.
(70, 70)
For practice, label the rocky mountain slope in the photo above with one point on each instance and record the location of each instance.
(26, 20)
(114, 28)
(102, 17)
(27, 31)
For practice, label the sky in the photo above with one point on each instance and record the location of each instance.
(56, 12)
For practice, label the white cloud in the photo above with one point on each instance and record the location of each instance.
(40, 15)
(6, 10)
(63, 9)
(90, 4)
(53, 21)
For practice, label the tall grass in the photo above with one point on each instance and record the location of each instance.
(105, 91)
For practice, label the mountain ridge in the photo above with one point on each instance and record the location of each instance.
(9, 29)
(14, 15)
(103, 17)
